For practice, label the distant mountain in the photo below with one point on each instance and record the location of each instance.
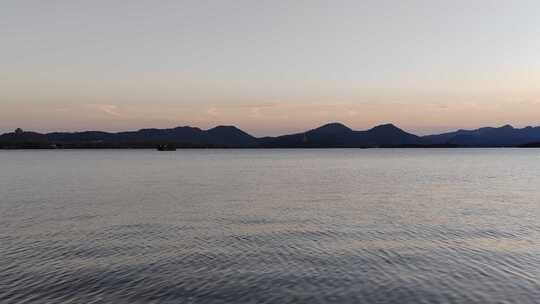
(389, 135)
(221, 136)
(339, 135)
(230, 135)
(530, 145)
(333, 135)
(505, 136)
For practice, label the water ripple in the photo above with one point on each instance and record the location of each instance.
(284, 227)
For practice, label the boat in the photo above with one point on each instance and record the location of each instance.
(166, 148)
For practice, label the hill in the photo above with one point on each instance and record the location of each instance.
(505, 136)
(332, 135)
(339, 135)
(182, 137)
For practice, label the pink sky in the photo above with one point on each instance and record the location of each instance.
(269, 67)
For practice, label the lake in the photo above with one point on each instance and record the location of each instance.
(270, 226)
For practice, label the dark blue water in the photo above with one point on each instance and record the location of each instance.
(270, 226)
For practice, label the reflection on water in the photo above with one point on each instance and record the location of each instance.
(270, 226)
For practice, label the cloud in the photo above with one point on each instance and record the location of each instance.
(260, 104)
(108, 109)
(352, 113)
(212, 112)
(255, 112)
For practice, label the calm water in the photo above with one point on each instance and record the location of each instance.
(270, 226)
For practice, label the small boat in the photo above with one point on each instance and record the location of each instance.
(166, 148)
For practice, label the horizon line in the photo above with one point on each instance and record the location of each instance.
(299, 132)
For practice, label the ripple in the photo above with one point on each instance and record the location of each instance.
(297, 227)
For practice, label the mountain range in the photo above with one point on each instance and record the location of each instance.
(332, 135)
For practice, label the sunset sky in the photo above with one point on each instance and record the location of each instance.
(268, 67)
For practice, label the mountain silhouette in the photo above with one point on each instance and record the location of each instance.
(188, 137)
(505, 136)
(339, 135)
(332, 135)
(230, 135)
(332, 128)
(389, 135)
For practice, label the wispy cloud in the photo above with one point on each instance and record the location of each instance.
(213, 111)
(108, 109)
(255, 112)
(62, 110)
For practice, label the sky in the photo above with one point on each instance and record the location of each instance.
(268, 67)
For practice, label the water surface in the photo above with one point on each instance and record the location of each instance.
(270, 226)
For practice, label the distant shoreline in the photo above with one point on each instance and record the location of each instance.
(331, 135)
(267, 148)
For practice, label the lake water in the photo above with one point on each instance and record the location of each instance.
(270, 226)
